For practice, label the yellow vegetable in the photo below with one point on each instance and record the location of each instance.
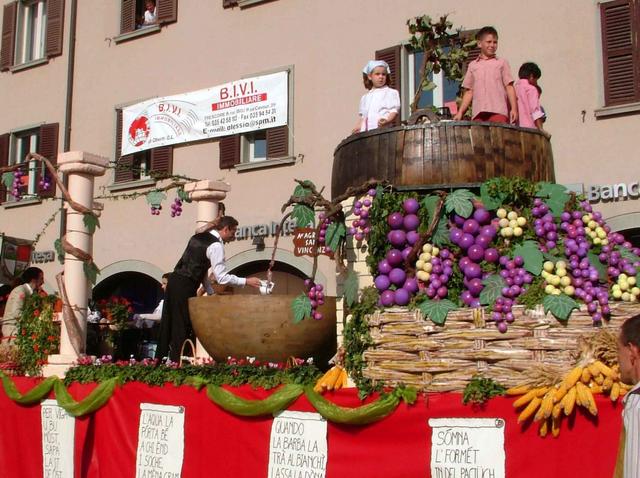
(530, 409)
(569, 401)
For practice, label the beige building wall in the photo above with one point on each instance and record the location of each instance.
(326, 43)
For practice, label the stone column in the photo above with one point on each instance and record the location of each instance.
(206, 194)
(81, 169)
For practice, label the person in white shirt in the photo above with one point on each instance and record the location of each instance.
(628, 465)
(147, 320)
(204, 250)
(150, 15)
(381, 105)
(32, 279)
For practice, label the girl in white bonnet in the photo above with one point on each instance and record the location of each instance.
(381, 105)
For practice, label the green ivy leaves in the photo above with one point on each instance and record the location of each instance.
(437, 310)
(560, 306)
(90, 221)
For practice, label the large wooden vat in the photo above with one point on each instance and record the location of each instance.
(262, 327)
(442, 154)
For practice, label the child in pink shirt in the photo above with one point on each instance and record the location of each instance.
(489, 84)
(530, 112)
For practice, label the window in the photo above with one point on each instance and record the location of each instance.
(144, 165)
(31, 31)
(132, 14)
(620, 20)
(14, 148)
(267, 147)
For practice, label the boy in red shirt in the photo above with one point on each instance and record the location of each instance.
(489, 84)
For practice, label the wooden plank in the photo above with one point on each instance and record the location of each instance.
(412, 165)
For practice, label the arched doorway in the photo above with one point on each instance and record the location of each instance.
(142, 290)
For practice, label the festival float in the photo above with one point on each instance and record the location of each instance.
(479, 304)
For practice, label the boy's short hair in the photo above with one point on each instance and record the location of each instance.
(226, 221)
(484, 31)
(31, 273)
(529, 69)
(630, 331)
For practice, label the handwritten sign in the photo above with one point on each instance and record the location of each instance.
(467, 447)
(160, 441)
(58, 431)
(304, 243)
(298, 447)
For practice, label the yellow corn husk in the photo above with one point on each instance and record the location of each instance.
(557, 410)
(572, 377)
(328, 380)
(569, 401)
(595, 371)
(586, 397)
(555, 427)
(615, 391)
(527, 397)
(530, 409)
(599, 379)
(544, 428)
(623, 392)
(581, 399)
(607, 384)
(604, 369)
(519, 390)
(595, 388)
(585, 377)
(559, 394)
(546, 406)
(332, 380)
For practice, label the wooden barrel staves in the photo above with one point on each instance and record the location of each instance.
(262, 327)
(443, 154)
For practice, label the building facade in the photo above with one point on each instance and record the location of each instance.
(68, 68)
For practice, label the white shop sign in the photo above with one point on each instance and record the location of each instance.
(246, 105)
(58, 432)
(160, 441)
(467, 447)
(298, 446)
(612, 192)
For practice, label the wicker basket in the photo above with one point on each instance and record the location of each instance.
(411, 350)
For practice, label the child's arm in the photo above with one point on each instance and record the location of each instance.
(513, 103)
(464, 105)
(389, 119)
(533, 98)
(358, 126)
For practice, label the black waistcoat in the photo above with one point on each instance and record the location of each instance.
(194, 263)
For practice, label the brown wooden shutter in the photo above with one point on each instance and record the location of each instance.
(128, 16)
(8, 45)
(55, 27)
(278, 142)
(167, 11)
(162, 161)
(48, 147)
(620, 51)
(4, 161)
(392, 57)
(123, 172)
(229, 3)
(229, 151)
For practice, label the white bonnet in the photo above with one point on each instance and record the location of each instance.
(368, 68)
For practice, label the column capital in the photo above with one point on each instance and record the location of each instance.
(80, 162)
(207, 189)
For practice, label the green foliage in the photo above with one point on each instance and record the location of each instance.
(301, 307)
(303, 215)
(91, 271)
(37, 336)
(555, 196)
(533, 258)
(57, 245)
(304, 189)
(460, 202)
(183, 195)
(492, 199)
(351, 285)
(436, 310)
(357, 339)
(440, 236)
(627, 254)
(155, 198)
(335, 235)
(7, 180)
(517, 192)
(534, 294)
(493, 285)
(480, 389)
(560, 306)
(90, 221)
(599, 266)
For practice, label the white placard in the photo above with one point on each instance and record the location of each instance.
(467, 447)
(160, 441)
(245, 105)
(298, 445)
(58, 432)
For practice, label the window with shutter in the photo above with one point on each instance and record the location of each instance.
(620, 21)
(162, 162)
(47, 147)
(229, 3)
(124, 164)
(55, 24)
(142, 14)
(8, 35)
(229, 151)
(4, 161)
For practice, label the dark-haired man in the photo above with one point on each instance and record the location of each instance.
(204, 250)
(32, 279)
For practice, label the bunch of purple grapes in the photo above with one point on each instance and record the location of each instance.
(316, 297)
(360, 228)
(155, 210)
(176, 207)
(544, 225)
(474, 236)
(441, 272)
(17, 184)
(44, 183)
(322, 235)
(392, 281)
(517, 280)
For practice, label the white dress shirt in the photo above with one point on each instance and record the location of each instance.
(631, 418)
(215, 254)
(378, 103)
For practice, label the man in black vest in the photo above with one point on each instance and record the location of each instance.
(204, 250)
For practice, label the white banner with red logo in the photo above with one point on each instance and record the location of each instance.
(237, 107)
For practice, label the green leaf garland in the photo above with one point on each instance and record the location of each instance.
(90, 222)
(560, 306)
(91, 271)
(275, 402)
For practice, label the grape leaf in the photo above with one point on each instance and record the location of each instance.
(600, 267)
(304, 189)
(547, 189)
(57, 245)
(493, 286)
(551, 257)
(638, 279)
(559, 305)
(437, 310)
(627, 254)
(351, 285)
(91, 271)
(556, 205)
(183, 195)
(303, 215)
(460, 202)
(155, 198)
(301, 307)
(90, 222)
(440, 236)
(7, 180)
(335, 234)
(430, 203)
(532, 256)
(490, 202)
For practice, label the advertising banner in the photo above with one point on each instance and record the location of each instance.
(238, 107)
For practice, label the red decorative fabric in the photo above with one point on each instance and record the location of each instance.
(220, 444)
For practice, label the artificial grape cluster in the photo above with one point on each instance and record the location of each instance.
(316, 296)
(155, 210)
(474, 236)
(544, 225)
(360, 228)
(176, 207)
(17, 184)
(44, 183)
(435, 267)
(626, 289)
(557, 278)
(593, 228)
(322, 235)
(510, 223)
(517, 280)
